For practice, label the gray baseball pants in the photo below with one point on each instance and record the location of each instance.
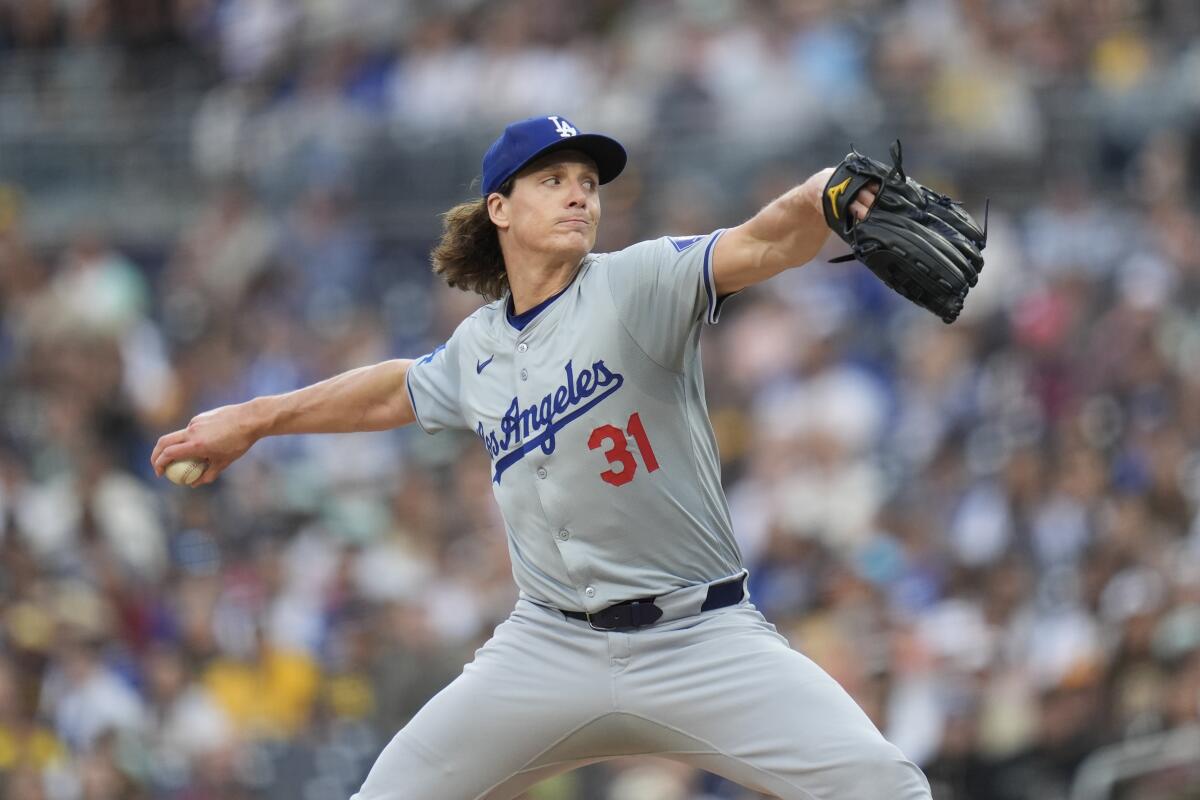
(721, 691)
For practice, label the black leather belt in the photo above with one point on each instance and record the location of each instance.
(642, 612)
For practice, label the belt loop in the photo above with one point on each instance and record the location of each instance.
(724, 594)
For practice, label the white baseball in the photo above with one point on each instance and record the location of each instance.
(186, 471)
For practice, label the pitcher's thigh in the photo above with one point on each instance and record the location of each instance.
(775, 720)
(483, 770)
(526, 690)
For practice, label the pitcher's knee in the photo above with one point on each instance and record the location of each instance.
(404, 769)
(872, 773)
(885, 774)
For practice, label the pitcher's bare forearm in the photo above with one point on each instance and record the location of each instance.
(788, 232)
(372, 398)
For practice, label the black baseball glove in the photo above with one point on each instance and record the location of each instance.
(920, 243)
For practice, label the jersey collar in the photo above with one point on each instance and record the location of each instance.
(519, 322)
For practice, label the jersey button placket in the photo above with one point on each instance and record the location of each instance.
(523, 374)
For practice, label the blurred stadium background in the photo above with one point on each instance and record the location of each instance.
(988, 532)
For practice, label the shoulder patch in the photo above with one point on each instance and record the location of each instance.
(681, 243)
(430, 356)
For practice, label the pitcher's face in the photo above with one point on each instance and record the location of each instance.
(554, 206)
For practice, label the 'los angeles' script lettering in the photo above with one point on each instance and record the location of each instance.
(535, 425)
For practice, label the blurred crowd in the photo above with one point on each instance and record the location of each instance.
(989, 532)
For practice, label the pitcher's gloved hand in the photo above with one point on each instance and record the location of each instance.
(920, 243)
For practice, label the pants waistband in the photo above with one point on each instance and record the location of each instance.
(680, 603)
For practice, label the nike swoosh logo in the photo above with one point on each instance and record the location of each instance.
(834, 193)
(479, 365)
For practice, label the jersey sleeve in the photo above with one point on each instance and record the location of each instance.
(433, 382)
(663, 289)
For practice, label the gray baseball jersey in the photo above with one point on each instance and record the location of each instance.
(592, 409)
(603, 459)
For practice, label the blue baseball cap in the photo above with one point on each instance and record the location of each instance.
(524, 141)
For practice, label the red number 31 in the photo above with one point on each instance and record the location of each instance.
(619, 453)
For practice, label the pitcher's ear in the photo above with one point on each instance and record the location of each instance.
(498, 209)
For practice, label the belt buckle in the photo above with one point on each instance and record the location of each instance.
(642, 613)
(594, 626)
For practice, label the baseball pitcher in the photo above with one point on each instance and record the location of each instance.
(633, 632)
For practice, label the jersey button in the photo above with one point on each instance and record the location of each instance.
(541, 473)
(522, 347)
(563, 535)
(590, 592)
(524, 374)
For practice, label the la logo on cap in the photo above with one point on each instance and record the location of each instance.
(526, 139)
(564, 128)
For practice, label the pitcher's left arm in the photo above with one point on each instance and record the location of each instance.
(788, 232)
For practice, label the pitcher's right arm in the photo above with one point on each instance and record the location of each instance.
(371, 398)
